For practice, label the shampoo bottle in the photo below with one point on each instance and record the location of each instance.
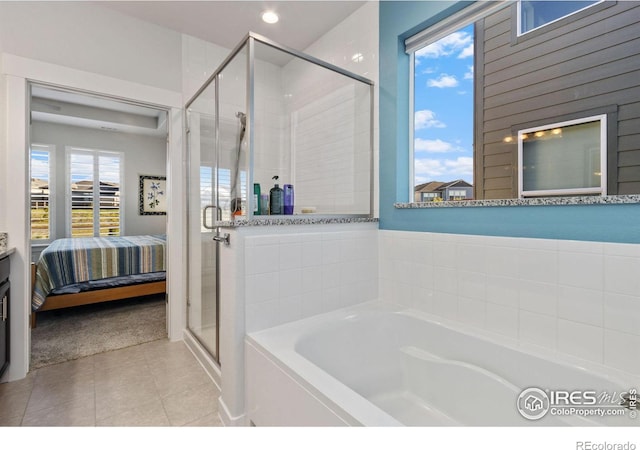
(275, 198)
(288, 199)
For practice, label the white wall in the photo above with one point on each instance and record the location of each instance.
(82, 46)
(356, 35)
(577, 298)
(3, 147)
(272, 151)
(199, 60)
(143, 155)
(86, 36)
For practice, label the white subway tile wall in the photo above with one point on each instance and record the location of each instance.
(578, 298)
(296, 275)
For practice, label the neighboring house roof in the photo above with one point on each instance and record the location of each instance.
(456, 183)
(432, 186)
(37, 184)
(440, 186)
(88, 185)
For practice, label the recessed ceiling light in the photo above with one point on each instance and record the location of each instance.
(270, 17)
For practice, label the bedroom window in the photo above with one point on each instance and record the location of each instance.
(42, 192)
(94, 193)
(565, 158)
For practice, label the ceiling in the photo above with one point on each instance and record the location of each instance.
(81, 110)
(224, 23)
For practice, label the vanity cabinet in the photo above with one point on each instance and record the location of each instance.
(4, 313)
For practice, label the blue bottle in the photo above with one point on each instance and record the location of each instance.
(288, 199)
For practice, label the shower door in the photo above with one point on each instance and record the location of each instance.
(202, 210)
(217, 139)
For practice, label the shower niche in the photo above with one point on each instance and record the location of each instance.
(270, 111)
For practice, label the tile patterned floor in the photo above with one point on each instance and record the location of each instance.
(155, 384)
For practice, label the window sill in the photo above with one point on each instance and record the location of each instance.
(546, 201)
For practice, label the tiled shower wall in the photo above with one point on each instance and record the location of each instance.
(329, 117)
(574, 297)
(293, 274)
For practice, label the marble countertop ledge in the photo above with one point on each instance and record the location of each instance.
(541, 201)
(294, 220)
(7, 252)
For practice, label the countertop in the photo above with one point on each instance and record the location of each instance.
(302, 219)
(7, 252)
(541, 201)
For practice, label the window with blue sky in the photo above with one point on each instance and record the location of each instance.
(443, 108)
(41, 166)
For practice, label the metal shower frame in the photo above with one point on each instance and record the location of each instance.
(249, 41)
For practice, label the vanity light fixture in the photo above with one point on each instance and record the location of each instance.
(270, 17)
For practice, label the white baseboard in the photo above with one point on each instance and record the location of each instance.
(227, 419)
(204, 358)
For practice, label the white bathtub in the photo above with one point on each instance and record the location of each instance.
(378, 364)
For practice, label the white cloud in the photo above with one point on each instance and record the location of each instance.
(427, 119)
(428, 170)
(443, 170)
(462, 165)
(432, 146)
(445, 81)
(448, 45)
(466, 52)
(469, 74)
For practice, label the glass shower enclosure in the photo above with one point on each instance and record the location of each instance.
(270, 115)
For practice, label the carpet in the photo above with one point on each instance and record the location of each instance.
(72, 333)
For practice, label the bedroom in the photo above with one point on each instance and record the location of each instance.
(84, 147)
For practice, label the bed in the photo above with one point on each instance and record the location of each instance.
(80, 271)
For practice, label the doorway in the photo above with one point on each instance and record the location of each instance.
(87, 153)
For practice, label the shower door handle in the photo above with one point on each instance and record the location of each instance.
(204, 216)
(225, 238)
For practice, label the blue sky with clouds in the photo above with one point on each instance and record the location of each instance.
(83, 166)
(443, 138)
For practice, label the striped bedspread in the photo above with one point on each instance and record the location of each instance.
(75, 260)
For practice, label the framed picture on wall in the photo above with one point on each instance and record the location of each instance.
(153, 195)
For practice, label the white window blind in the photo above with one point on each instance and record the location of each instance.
(94, 193)
(42, 192)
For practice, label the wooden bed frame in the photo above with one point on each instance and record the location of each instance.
(97, 296)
